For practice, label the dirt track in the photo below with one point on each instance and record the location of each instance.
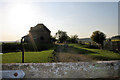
(65, 53)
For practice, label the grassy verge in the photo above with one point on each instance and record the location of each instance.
(30, 57)
(96, 54)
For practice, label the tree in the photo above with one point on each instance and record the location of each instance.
(62, 36)
(53, 39)
(98, 37)
(73, 39)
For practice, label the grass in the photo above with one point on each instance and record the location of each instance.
(96, 54)
(78, 53)
(30, 57)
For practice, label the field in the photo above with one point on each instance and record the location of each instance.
(30, 57)
(72, 53)
(96, 54)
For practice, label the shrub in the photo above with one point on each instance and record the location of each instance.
(15, 47)
(10, 47)
(93, 46)
(38, 47)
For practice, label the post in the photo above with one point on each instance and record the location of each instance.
(22, 49)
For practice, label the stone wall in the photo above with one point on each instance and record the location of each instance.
(100, 69)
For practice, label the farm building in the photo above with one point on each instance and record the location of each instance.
(112, 43)
(38, 34)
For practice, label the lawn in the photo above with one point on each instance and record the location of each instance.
(30, 57)
(96, 54)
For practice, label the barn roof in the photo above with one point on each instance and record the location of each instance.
(40, 26)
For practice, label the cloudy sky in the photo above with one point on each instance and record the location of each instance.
(80, 18)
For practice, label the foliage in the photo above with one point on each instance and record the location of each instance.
(10, 47)
(62, 36)
(53, 39)
(16, 47)
(73, 39)
(38, 47)
(98, 37)
(92, 46)
(30, 57)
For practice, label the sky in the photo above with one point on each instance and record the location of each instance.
(81, 18)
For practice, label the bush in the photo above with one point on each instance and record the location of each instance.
(10, 47)
(38, 47)
(92, 46)
(16, 47)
